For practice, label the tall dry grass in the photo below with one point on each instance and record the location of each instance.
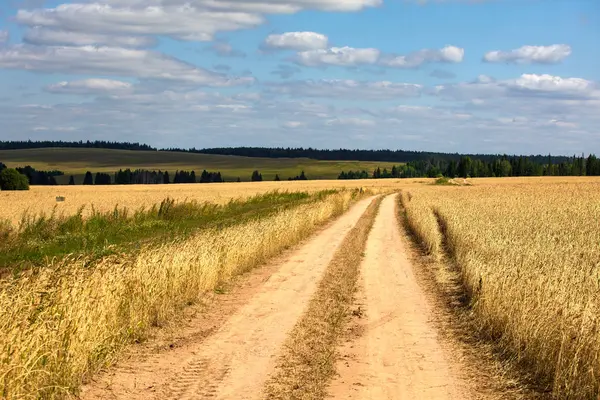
(42, 199)
(61, 323)
(529, 258)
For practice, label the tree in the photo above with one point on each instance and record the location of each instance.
(166, 178)
(71, 180)
(256, 177)
(88, 179)
(277, 179)
(2, 167)
(11, 179)
(102, 179)
(464, 167)
(238, 180)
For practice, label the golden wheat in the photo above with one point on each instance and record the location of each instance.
(61, 323)
(528, 254)
(42, 199)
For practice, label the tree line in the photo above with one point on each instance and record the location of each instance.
(475, 168)
(353, 155)
(96, 144)
(147, 177)
(280, 152)
(34, 176)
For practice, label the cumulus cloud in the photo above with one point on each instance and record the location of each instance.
(194, 20)
(299, 41)
(111, 61)
(42, 36)
(530, 54)
(347, 89)
(448, 54)
(262, 6)
(184, 22)
(91, 87)
(4, 36)
(527, 85)
(338, 56)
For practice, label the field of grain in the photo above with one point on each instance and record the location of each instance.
(63, 322)
(528, 254)
(42, 199)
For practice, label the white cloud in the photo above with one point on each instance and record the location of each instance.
(554, 84)
(338, 56)
(448, 54)
(350, 121)
(530, 54)
(4, 36)
(293, 124)
(182, 22)
(260, 6)
(91, 87)
(528, 85)
(194, 20)
(111, 61)
(297, 41)
(347, 89)
(42, 36)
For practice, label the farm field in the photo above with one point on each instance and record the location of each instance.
(528, 257)
(329, 289)
(76, 162)
(42, 199)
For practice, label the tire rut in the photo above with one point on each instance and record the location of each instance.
(236, 359)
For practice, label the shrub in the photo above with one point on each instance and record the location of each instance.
(11, 179)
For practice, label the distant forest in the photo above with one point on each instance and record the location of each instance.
(97, 144)
(400, 156)
(476, 168)
(414, 164)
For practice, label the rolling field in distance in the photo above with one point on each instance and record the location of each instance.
(76, 162)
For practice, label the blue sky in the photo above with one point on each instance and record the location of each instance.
(493, 76)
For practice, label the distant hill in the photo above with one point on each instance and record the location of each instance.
(76, 161)
(396, 156)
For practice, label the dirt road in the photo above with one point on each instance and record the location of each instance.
(398, 355)
(234, 362)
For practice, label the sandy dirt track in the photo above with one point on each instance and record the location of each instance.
(235, 361)
(398, 355)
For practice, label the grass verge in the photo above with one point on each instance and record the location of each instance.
(308, 362)
(40, 238)
(62, 322)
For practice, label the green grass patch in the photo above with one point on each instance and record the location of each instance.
(41, 238)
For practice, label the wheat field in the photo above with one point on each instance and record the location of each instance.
(528, 254)
(42, 199)
(61, 323)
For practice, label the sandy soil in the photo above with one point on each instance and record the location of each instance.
(234, 361)
(397, 353)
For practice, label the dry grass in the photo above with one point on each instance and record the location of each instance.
(308, 360)
(529, 261)
(63, 322)
(42, 199)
